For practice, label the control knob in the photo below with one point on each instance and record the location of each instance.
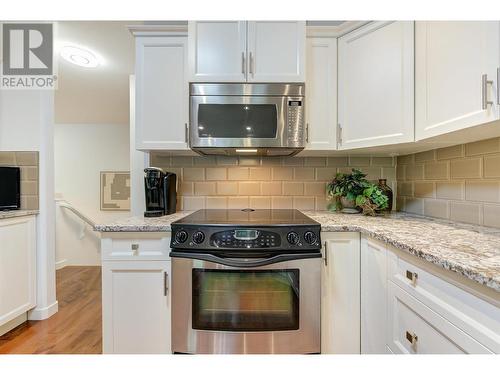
(293, 238)
(198, 237)
(310, 237)
(181, 236)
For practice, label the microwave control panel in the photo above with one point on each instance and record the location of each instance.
(295, 120)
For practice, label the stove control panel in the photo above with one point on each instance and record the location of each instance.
(277, 238)
(245, 239)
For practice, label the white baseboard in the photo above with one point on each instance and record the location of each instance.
(61, 264)
(43, 313)
(11, 324)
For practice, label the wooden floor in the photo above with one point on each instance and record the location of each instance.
(75, 329)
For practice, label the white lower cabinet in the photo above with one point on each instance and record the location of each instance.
(416, 329)
(136, 305)
(340, 300)
(373, 295)
(410, 306)
(17, 267)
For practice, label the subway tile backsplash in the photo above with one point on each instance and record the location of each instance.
(263, 182)
(459, 183)
(28, 162)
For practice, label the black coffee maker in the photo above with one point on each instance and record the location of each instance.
(161, 194)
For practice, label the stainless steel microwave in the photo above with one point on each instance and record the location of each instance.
(247, 118)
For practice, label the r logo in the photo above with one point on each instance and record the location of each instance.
(27, 49)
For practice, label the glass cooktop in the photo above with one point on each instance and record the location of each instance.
(246, 217)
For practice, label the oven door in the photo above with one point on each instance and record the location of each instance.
(243, 122)
(224, 309)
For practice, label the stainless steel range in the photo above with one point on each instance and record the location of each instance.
(246, 281)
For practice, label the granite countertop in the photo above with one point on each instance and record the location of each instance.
(469, 250)
(472, 251)
(142, 224)
(17, 213)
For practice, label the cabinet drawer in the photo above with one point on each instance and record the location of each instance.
(156, 248)
(471, 314)
(415, 328)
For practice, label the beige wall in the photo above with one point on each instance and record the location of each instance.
(272, 182)
(28, 162)
(460, 183)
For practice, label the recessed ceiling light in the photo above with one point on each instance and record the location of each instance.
(80, 56)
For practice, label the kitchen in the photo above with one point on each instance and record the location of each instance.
(291, 191)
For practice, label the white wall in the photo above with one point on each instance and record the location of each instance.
(20, 120)
(82, 151)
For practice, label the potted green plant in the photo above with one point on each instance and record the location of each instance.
(352, 192)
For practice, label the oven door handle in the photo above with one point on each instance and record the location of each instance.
(246, 262)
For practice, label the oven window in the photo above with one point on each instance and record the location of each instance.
(254, 300)
(237, 120)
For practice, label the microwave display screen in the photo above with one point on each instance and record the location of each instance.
(237, 121)
(294, 103)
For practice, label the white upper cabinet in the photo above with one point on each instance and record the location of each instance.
(241, 51)
(217, 51)
(321, 93)
(376, 85)
(451, 59)
(276, 51)
(161, 93)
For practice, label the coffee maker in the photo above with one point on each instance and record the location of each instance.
(160, 190)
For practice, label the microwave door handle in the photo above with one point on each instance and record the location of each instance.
(244, 262)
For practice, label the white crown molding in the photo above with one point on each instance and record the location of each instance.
(311, 31)
(333, 31)
(158, 30)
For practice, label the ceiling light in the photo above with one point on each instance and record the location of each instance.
(80, 56)
(249, 150)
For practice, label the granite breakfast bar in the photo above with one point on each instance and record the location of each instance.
(468, 250)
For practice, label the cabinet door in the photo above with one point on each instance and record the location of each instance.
(451, 58)
(376, 80)
(416, 329)
(373, 297)
(17, 267)
(321, 94)
(162, 93)
(276, 51)
(217, 51)
(340, 289)
(136, 307)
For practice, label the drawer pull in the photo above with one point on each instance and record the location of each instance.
(165, 283)
(326, 254)
(412, 339)
(412, 276)
(135, 248)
